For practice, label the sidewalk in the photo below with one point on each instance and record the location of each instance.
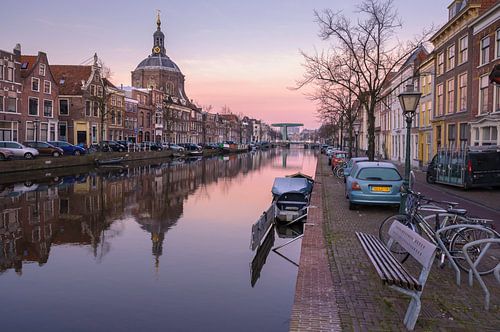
(363, 303)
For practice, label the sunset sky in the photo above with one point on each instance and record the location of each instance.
(237, 53)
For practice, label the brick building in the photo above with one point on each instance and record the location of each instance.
(39, 102)
(10, 94)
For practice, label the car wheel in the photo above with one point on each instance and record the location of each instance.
(352, 206)
(56, 154)
(120, 150)
(2, 156)
(28, 155)
(430, 179)
(77, 153)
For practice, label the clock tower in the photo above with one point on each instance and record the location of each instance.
(158, 38)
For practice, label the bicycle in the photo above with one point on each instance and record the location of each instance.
(453, 239)
(338, 170)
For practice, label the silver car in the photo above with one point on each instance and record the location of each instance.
(19, 150)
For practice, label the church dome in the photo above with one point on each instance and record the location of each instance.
(158, 61)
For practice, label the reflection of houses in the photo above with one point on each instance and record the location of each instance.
(79, 210)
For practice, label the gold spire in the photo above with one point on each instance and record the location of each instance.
(158, 21)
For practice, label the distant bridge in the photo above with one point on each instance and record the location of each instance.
(284, 128)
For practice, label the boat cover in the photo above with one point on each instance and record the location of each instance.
(284, 185)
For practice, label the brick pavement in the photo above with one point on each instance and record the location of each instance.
(363, 303)
(314, 306)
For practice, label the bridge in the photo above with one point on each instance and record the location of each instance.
(284, 128)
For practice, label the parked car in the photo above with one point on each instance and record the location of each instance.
(44, 148)
(68, 149)
(6, 154)
(175, 147)
(337, 158)
(19, 150)
(152, 146)
(474, 167)
(191, 147)
(323, 148)
(112, 146)
(350, 164)
(373, 183)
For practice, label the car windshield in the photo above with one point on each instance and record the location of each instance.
(379, 174)
(340, 155)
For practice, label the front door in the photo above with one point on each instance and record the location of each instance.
(81, 137)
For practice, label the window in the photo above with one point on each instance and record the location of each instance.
(451, 57)
(47, 108)
(63, 106)
(33, 106)
(379, 174)
(87, 108)
(450, 98)
(92, 89)
(440, 68)
(11, 105)
(113, 117)
(47, 87)
(10, 74)
(489, 135)
(63, 131)
(35, 84)
(44, 130)
(41, 69)
(485, 51)
(440, 100)
(463, 135)
(1, 72)
(30, 131)
(1, 104)
(452, 134)
(119, 118)
(52, 132)
(483, 94)
(463, 48)
(497, 37)
(113, 100)
(496, 103)
(96, 109)
(462, 92)
(99, 91)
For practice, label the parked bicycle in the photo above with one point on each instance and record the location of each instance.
(338, 170)
(438, 218)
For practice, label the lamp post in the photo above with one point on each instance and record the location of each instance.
(409, 100)
(356, 127)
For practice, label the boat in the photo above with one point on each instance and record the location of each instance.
(291, 196)
(112, 161)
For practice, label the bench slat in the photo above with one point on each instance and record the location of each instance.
(388, 268)
(409, 281)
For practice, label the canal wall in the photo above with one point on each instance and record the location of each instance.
(314, 307)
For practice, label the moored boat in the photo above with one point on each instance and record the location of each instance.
(291, 197)
(112, 161)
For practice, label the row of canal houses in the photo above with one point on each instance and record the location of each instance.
(41, 101)
(459, 107)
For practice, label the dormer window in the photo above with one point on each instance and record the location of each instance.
(41, 69)
(455, 8)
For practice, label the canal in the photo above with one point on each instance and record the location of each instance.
(163, 246)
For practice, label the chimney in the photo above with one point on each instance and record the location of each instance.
(17, 51)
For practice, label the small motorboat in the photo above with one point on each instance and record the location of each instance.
(291, 196)
(112, 161)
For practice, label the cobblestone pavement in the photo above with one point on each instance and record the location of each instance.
(364, 304)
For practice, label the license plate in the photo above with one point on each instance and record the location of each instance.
(381, 189)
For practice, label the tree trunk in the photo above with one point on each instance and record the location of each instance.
(371, 130)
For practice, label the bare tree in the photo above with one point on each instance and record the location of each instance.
(363, 55)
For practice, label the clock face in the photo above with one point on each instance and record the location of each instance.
(156, 49)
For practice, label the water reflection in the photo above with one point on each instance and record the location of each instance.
(79, 209)
(147, 246)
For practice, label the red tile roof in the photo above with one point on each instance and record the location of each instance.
(27, 63)
(70, 78)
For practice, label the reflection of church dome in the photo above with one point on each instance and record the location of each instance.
(159, 61)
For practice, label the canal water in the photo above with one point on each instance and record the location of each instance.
(164, 246)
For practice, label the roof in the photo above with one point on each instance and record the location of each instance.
(27, 64)
(70, 77)
(366, 164)
(158, 62)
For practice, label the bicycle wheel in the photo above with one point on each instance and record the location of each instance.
(466, 235)
(383, 233)
(340, 172)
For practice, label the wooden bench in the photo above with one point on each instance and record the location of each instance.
(393, 273)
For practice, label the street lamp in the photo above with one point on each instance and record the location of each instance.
(356, 127)
(409, 100)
